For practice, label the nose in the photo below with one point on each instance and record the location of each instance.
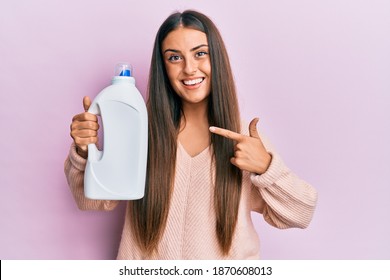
(191, 66)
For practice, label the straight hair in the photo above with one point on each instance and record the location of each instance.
(149, 214)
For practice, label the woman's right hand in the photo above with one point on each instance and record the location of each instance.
(84, 129)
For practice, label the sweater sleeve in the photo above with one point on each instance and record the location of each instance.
(74, 167)
(285, 200)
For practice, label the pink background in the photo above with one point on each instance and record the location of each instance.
(317, 73)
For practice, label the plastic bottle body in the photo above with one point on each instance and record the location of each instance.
(118, 172)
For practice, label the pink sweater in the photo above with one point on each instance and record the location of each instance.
(282, 198)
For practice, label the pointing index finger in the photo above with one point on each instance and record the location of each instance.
(226, 133)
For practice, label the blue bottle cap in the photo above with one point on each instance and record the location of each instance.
(126, 73)
(123, 70)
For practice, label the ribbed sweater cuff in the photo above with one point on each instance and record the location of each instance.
(274, 172)
(77, 161)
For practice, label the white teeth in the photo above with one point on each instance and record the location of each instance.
(193, 82)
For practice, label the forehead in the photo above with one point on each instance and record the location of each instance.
(184, 38)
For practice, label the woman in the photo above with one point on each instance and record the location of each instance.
(206, 171)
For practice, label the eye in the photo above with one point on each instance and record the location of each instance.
(174, 58)
(200, 54)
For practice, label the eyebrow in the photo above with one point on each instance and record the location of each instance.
(193, 49)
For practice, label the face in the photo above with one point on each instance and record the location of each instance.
(187, 61)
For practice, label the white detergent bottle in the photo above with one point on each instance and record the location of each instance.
(118, 171)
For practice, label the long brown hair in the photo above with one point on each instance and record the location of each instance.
(149, 215)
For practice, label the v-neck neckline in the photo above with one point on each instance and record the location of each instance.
(195, 156)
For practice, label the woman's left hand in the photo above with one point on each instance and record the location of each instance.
(249, 151)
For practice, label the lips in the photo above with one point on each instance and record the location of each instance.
(193, 82)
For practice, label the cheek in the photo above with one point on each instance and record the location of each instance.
(172, 77)
(205, 66)
(172, 73)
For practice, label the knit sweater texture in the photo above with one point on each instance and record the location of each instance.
(281, 197)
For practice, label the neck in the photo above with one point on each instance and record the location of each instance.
(194, 132)
(195, 113)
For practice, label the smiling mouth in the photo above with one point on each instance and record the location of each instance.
(193, 82)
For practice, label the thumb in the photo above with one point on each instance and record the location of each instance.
(252, 128)
(86, 103)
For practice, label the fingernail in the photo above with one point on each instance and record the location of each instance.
(212, 128)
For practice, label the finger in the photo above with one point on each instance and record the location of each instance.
(86, 103)
(239, 154)
(85, 117)
(85, 133)
(233, 160)
(226, 133)
(89, 125)
(83, 142)
(252, 128)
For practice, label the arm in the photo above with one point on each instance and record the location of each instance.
(84, 129)
(284, 199)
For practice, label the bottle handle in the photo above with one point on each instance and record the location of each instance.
(94, 154)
